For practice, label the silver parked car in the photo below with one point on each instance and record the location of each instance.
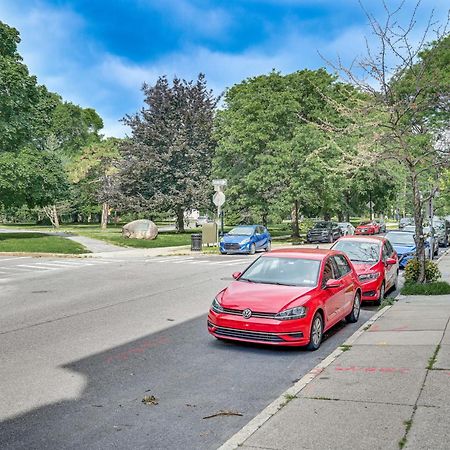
(346, 228)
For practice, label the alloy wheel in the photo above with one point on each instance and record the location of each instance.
(316, 334)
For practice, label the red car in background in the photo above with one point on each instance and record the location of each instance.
(287, 297)
(367, 228)
(375, 262)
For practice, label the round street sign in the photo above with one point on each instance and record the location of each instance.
(219, 198)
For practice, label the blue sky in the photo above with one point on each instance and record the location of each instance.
(97, 53)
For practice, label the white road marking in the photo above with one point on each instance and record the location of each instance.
(36, 267)
(181, 261)
(13, 259)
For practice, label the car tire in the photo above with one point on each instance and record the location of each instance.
(269, 246)
(382, 294)
(316, 333)
(354, 315)
(222, 253)
(252, 250)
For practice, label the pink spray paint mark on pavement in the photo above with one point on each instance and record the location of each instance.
(142, 347)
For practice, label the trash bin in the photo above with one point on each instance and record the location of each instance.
(196, 242)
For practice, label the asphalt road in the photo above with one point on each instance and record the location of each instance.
(82, 341)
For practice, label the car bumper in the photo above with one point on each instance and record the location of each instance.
(318, 238)
(364, 232)
(235, 249)
(403, 260)
(371, 290)
(260, 331)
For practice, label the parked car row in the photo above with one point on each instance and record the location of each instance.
(292, 296)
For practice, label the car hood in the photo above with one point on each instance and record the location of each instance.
(361, 268)
(235, 239)
(402, 249)
(262, 297)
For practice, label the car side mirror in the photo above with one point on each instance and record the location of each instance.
(391, 261)
(236, 275)
(333, 284)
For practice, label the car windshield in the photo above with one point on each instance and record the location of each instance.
(401, 238)
(343, 224)
(359, 251)
(322, 225)
(241, 231)
(283, 271)
(364, 223)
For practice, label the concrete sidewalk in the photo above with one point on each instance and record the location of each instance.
(388, 389)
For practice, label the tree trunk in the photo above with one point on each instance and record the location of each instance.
(418, 220)
(264, 218)
(52, 214)
(105, 214)
(180, 220)
(294, 220)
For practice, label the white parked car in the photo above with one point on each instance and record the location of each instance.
(346, 228)
(201, 220)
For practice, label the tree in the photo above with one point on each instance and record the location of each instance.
(276, 164)
(167, 160)
(95, 173)
(406, 115)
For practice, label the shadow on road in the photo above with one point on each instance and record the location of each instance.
(190, 373)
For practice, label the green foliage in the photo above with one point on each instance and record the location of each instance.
(273, 154)
(433, 288)
(432, 272)
(31, 177)
(167, 160)
(19, 94)
(38, 243)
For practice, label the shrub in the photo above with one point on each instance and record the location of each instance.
(435, 288)
(432, 272)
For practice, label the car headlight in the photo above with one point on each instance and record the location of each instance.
(293, 313)
(369, 276)
(216, 306)
(245, 241)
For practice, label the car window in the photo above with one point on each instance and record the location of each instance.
(359, 251)
(342, 265)
(384, 253)
(328, 272)
(389, 248)
(284, 271)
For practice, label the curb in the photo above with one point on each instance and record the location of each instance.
(257, 422)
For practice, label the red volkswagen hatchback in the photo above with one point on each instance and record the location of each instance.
(375, 262)
(287, 297)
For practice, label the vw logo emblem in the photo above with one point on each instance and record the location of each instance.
(247, 313)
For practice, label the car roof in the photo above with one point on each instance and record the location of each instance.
(303, 253)
(356, 237)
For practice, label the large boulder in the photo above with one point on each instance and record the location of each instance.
(140, 229)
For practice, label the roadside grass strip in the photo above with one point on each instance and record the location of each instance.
(39, 243)
(435, 288)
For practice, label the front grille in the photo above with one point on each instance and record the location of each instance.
(254, 335)
(232, 246)
(259, 315)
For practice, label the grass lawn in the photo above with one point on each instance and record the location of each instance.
(38, 243)
(113, 235)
